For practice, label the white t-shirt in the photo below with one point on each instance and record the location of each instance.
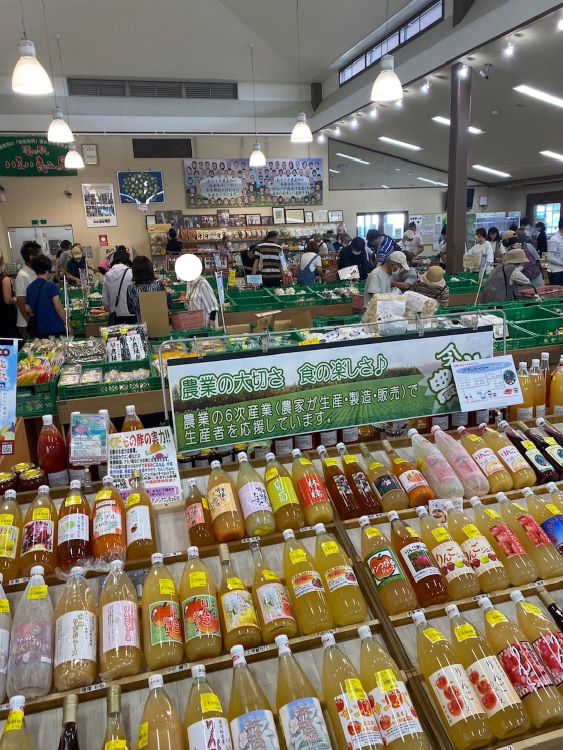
(310, 259)
(485, 248)
(24, 278)
(378, 282)
(555, 253)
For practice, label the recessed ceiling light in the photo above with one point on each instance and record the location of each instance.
(432, 182)
(385, 186)
(464, 71)
(489, 170)
(552, 155)
(543, 96)
(337, 131)
(352, 158)
(321, 138)
(508, 51)
(373, 112)
(354, 123)
(334, 171)
(400, 144)
(445, 121)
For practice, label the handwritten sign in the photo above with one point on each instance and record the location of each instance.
(32, 156)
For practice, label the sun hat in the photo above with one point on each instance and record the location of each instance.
(400, 258)
(508, 235)
(434, 274)
(515, 257)
(409, 234)
(76, 253)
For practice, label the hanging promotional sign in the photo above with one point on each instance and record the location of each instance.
(32, 156)
(8, 378)
(487, 384)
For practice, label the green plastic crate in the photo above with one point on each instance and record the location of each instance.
(36, 400)
(151, 383)
(345, 320)
(527, 313)
(518, 338)
(543, 331)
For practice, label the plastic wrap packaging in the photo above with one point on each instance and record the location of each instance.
(126, 342)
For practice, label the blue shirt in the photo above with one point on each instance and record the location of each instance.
(39, 297)
(385, 248)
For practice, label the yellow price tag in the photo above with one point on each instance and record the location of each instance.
(4, 607)
(494, 617)
(553, 509)
(372, 532)
(330, 548)
(167, 587)
(36, 592)
(271, 473)
(133, 499)
(492, 514)
(471, 531)
(350, 460)
(331, 461)
(354, 689)
(440, 534)
(412, 532)
(463, 632)
(6, 519)
(41, 514)
(434, 635)
(375, 465)
(533, 609)
(297, 556)
(210, 702)
(14, 721)
(143, 740)
(472, 437)
(72, 500)
(205, 503)
(234, 583)
(399, 460)
(269, 575)
(551, 441)
(304, 462)
(528, 445)
(386, 680)
(104, 495)
(197, 580)
(116, 745)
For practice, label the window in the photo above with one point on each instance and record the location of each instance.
(365, 222)
(549, 213)
(431, 15)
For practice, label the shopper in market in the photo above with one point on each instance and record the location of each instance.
(383, 246)
(379, 280)
(405, 275)
(75, 265)
(354, 254)
(493, 236)
(144, 280)
(248, 257)
(268, 260)
(321, 244)
(200, 296)
(8, 306)
(431, 284)
(43, 301)
(483, 247)
(554, 256)
(24, 278)
(114, 288)
(541, 238)
(532, 268)
(63, 256)
(507, 281)
(310, 264)
(174, 245)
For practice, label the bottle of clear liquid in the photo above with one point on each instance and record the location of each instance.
(391, 583)
(39, 539)
(76, 630)
(525, 409)
(69, 732)
(139, 520)
(525, 671)
(537, 379)
(283, 498)
(204, 719)
(74, 541)
(15, 736)
(552, 607)
(198, 517)
(311, 490)
(131, 421)
(11, 526)
(470, 475)
(457, 702)
(258, 515)
(161, 727)
(548, 516)
(162, 626)
(120, 649)
(508, 548)
(388, 696)
(347, 702)
(547, 559)
(434, 466)
(358, 481)
(300, 713)
(385, 485)
(5, 627)
(270, 598)
(504, 709)
(250, 714)
(198, 594)
(487, 460)
(338, 486)
(413, 482)
(543, 470)
(115, 736)
(305, 586)
(239, 621)
(224, 506)
(519, 469)
(108, 525)
(458, 574)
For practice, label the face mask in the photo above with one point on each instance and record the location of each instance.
(356, 252)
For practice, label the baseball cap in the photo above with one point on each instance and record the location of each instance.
(508, 234)
(400, 259)
(409, 234)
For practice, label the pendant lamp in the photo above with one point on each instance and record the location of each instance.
(73, 160)
(301, 132)
(257, 158)
(59, 131)
(29, 76)
(387, 86)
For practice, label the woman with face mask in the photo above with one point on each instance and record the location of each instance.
(507, 280)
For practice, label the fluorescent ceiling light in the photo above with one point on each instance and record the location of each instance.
(354, 123)
(496, 172)
(543, 96)
(400, 144)
(385, 186)
(432, 182)
(334, 171)
(446, 121)
(352, 158)
(552, 155)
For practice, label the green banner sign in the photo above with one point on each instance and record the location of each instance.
(32, 156)
(259, 397)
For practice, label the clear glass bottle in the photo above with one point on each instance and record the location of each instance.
(108, 524)
(283, 498)
(161, 727)
(311, 490)
(470, 475)
(198, 517)
(385, 485)
(521, 472)
(270, 598)
(440, 475)
(413, 482)
(258, 515)
(204, 718)
(15, 736)
(358, 481)
(139, 520)
(131, 421)
(39, 540)
(115, 729)
(5, 628)
(525, 409)
(74, 546)
(120, 649)
(539, 388)
(162, 626)
(487, 460)
(338, 486)
(11, 527)
(224, 506)
(198, 594)
(239, 621)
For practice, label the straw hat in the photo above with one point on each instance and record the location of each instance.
(434, 274)
(515, 257)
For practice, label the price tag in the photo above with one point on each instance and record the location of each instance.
(532, 609)
(133, 499)
(269, 575)
(386, 680)
(92, 688)
(41, 514)
(197, 580)
(463, 632)
(167, 587)
(354, 689)
(297, 556)
(143, 740)
(372, 532)
(234, 583)
(350, 460)
(4, 607)
(258, 650)
(6, 519)
(14, 721)
(210, 702)
(434, 635)
(494, 617)
(330, 548)
(36, 592)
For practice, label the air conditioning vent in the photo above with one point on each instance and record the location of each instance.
(142, 88)
(111, 88)
(152, 89)
(82, 87)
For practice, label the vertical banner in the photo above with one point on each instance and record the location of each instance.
(8, 379)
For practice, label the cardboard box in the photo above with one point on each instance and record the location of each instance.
(236, 330)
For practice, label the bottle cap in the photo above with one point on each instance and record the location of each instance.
(216, 464)
(340, 447)
(155, 681)
(130, 410)
(75, 484)
(501, 497)
(418, 616)
(282, 642)
(364, 631)
(535, 363)
(421, 511)
(448, 505)
(517, 596)
(44, 489)
(193, 552)
(156, 558)
(363, 521)
(474, 501)
(10, 495)
(270, 456)
(116, 566)
(435, 428)
(17, 703)
(103, 412)
(224, 555)
(48, 419)
(527, 492)
(522, 365)
(107, 479)
(321, 449)
(392, 515)
(452, 610)
(192, 482)
(296, 453)
(198, 670)
(540, 421)
(242, 457)
(288, 534)
(327, 639)
(483, 426)
(412, 431)
(502, 424)
(237, 653)
(319, 528)
(461, 429)
(552, 487)
(484, 602)
(37, 570)
(78, 570)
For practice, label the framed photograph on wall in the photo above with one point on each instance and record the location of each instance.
(252, 220)
(308, 217)
(335, 216)
(266, 221)
(294, 216)
(278, 215)
(223, 218)
(320, 217)
(99, 204)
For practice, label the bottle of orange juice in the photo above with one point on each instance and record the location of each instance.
(162, 628)
(139, 520)
(270, 598)
(521, 472)
(198, 595)
(385, 485)
(525, 409)
(284, 500)
(413, 482)
(226, 514)
(11, 525)
(239, 621)
(311, 490)
(499, 478)
(131, 421)
(108, 524)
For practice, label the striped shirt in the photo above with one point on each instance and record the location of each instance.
(200, 296)
(268, 254)
(385, 248)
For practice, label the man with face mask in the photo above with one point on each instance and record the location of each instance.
(355, 254)
(507, 280)
(379, 280)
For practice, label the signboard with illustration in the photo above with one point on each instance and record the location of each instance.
(314, 389)
(8, 375)
(140, 187)
(32, 156)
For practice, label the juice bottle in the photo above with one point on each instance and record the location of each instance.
(346, 601)
(76, 629)
(338, 486)
(525, 409)
(508, 548)
(535, 541)
(555, 495)
(131, 421)
(74, 541)
(258, 515)
(485, 458)
(472, 478)
(418, 563)
(160, 727)
(108, 524)
(358, 481)
(347, 702)
(115, 736)
(392, 586)
(525, 671)
(385, 485)
(69, 733)
(120, 650)
(413, 482)
(204, 720)
(550, 430)
(458, 574)
(546, 374)
(556, 390)
(310, 489)
(39, 538)
(250, 714)
(547, 445)
(11, 526)
(543, 470)
(388, 696)
(519, 469)
(103, 467)
(549, 517)
(198, 594)
(300, 713)
(139, 520)
(226, 515)
(198, 517)
(305, 586)
(5, 627)
(539, 387)
(15, 736)
(552, 607)
(456, 700)
(160, 607)
(504, 709)
(434, 466)
(285, 503)
(52, 453)
(239, 621)
(270, 598)
(543, 634)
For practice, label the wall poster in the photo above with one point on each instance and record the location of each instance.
(99, 204)
(32, 156)
(140, 187)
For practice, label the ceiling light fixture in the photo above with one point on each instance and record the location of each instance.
(489, 170)
(337, 131)
(354, 123)
(425, 88)
(543, 96)
(301, 132)
(432, 182)
(400, 144)
(552, 155)
(373, 112)
(257, 158)
(29, 76)
(445, 121)
(73, 160)
(387, 86)
(352, 158)
(509, 50)
(321, 138)
(59, 131)
(464, 71)
(334, 171)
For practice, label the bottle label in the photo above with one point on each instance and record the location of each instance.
(281, 493)
(75, 637)
(340, 576)
(120, 626)
(116, 745)
(464, 632)
(350, 459)
(487, 461)
(58, 479)
(550, 650)
(439, 466)
(297, 556)
(253, 498)
(454, 694)
(210, 733)
(107, 520)
(393, 708)
(479, 553)
(194, 515)
(312, 491)
(533, 531)
(384, 567)
(361, 483)
(307, 582)
(255, 731)
(536, 459)
(164, 623)
(143, 740)
(14, 721)
(512, 458)
(418, 561)
(343, 488)
(221, 500)
(274, 603)
(386, 483)
(525, 671)
(553, 528)
(507, 540)
(31, 644)
(540, 410)
(412, 479)
(451, 560)
(9, 536)
(357, 721)
(4, 650)
(38, 537)
(525, 413)
(555, 452)
(434, 635)
(74, 526)
(303, 725)
(138, 522)
(200, 617)
(238, 610)
(492, 685)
